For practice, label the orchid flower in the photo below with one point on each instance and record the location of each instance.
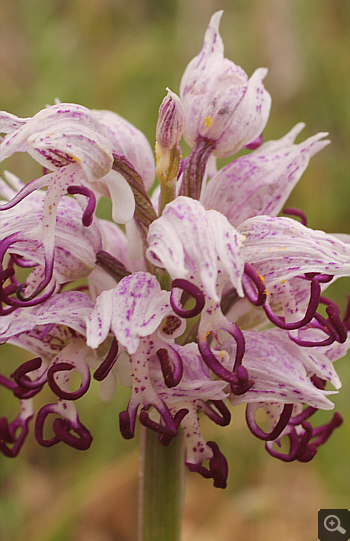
(224, 111)
(70, 255)
(206, 299)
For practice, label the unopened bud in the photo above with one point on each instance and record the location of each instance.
(171, 121)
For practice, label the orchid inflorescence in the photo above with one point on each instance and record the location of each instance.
(204, 298)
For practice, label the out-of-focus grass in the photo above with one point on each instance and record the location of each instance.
(121, 55)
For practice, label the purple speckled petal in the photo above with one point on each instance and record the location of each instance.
(280, 248)
(10, 122)
(62, 134)
(134, 308)
(261, 182)
(69, 308)
(131, 142)
(281, 371)
(249, 119)
(199, 73)
(188, 240)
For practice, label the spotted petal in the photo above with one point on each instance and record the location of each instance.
(127, 140)
(281, 371)
(133, 309)
(249, 119)
(69, 308)
(280, 248)
(193, 243)
(59, 135)
(261, 182)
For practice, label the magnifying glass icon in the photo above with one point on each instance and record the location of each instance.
(332, 524)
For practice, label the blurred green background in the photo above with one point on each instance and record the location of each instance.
(121, 55)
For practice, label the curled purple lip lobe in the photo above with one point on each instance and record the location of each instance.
(194, 291)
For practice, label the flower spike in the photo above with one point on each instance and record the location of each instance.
(206, 298)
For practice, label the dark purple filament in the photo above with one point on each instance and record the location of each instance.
(5, 274)
(315, 290)
(39, 426)
(74, 395)
(335, 320)
(250, 277)
(106, 366)
(125, 425)
(192, 290)
(220, 413)
(62, 429)
(165, 439)
(346, 318)
(301, 448)
(277, 429)
(157, 427)
(10, 442)
(297, 445)
(23, 370)
(322, 324)
(238, 379)
(291, 211)
(167, 426)
(90, 207)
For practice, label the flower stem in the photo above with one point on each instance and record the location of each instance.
(161, 488)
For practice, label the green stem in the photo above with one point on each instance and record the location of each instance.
(161, 488)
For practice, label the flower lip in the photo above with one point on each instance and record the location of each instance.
(62, 428)
(218, 467)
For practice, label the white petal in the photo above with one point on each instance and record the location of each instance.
(126, 139)
(281, 371)
(280, 248)
(133, 309)
(123, 201)
(249, 119)
(261, 182)
(188, 241)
